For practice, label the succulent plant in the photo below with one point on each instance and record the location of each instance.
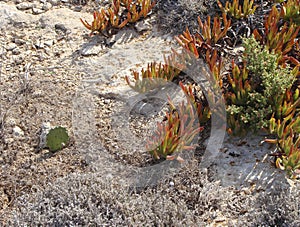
(176, 134)
(279, 39)
(154, 76)
(57, 138)
(288, 142)
(237, 11)
(290, 11)
(263, 85)
(118, 15)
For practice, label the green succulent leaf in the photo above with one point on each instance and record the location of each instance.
(57, 138)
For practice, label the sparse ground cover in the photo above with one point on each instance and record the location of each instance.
(53, 71)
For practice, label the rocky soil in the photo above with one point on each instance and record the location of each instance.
(53, 72)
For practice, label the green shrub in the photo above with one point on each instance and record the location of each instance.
(268, 82)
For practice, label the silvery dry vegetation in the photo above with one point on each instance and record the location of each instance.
(187, 199)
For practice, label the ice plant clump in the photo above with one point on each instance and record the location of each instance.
(176, 134)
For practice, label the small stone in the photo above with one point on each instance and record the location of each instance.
(65, 1)
(142, 26)
(19, 41)
(39, 44)
(37, 11)
(46, 127)
(46, 6)
(11, 122)
(11, 46)
(60, 27)
(17, 131)
(7, 67)
(25, 5)
(18, 60)
(16, 51)
(49, 43)
(171, 184)
(54, 2)
(9, 140)
(106, 101)
(77, 8)
(47, 50)
(91, 49)
(2, 52)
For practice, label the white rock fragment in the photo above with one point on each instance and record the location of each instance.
(91, 49)
(16, 51)
(46, 6)
(19, 41)
(25, 6)
(39, 44)
(11, 46)
(11, 121)
(49, 43)
(18, 132)
(46, 127)
(54, 2)
(37, 11)
(2, 51)
(106, 101)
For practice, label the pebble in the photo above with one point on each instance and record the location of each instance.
(45, 128)
(7, 67)
(60, 27)
(11, 122)
(46, 6)
(106, 101)
(16, 51)
(91, 49)
(54, 2)
(37, 11)
(2, 52)
(25, 5)
(77, 8)
(18, 59)
(11, 46)
(17, 131)
(39, 44)
(19, 41)
(49, 43)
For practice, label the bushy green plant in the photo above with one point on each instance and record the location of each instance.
(275, 79)
(254, 98)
